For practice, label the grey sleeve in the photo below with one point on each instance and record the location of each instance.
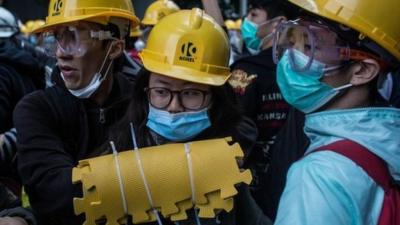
(24, 213)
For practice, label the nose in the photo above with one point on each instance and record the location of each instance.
(175, 106)
(61, 53)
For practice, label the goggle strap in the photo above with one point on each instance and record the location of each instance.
(101, 35)
(357, 55)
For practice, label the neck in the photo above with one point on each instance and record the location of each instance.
(100, 96)
(355, 97)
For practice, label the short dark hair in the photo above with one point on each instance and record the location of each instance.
(272, 7)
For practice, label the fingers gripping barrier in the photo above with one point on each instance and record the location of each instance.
(202, 174)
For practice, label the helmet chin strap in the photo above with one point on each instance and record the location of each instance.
(97, 79)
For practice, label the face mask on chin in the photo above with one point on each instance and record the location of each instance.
(250, 39)
(304, 90)
(253, 43)
(96, 81)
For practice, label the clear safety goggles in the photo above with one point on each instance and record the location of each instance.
(72, 40)
(316, 41)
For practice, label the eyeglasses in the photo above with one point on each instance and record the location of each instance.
(191, 99)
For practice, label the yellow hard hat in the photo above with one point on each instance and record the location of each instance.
(136, 32)
(31, 25)
(238, 24)
(157, 10)
(65, 11)
(378, 20)
(230, 24)
(193, 48)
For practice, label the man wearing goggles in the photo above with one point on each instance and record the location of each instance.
(63, 124)
(328, 66)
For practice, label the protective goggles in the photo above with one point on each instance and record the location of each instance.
(316, 41)
(72, 40)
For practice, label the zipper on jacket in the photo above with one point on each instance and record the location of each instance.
(102, 118)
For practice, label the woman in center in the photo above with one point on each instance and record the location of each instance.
(183, 95)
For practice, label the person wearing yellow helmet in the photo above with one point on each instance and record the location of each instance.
(153, 14)
(70, 120)
(331, 60)
(184, 96)
(157, 10)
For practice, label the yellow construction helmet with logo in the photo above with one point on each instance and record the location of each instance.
(193, 48)
(99, 11)
(378, 20)
(157, 10)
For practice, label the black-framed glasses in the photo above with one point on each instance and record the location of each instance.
(192, 99)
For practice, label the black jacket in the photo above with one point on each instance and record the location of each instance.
(263, 102)
(55, 131)
(20, 74)
(262, 99)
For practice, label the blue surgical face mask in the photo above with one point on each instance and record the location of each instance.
(178, 126)
(249, 34)
(304, 90)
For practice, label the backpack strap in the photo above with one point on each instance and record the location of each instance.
(374, 166)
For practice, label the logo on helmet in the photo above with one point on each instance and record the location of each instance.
(57, 7)
(188, 51)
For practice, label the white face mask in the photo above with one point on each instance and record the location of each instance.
(139, 45)
(96, 81)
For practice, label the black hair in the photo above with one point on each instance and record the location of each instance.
(113, 29)
(272, 7)
(224, 114)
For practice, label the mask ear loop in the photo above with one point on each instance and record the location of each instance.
(121, 184)
(103, 76)
(146, 185)
(192, 184)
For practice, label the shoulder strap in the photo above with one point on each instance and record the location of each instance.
(374, 166)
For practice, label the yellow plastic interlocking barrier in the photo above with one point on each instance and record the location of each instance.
(170, 178)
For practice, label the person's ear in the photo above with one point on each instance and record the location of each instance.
(117, 49)
(364, 71)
